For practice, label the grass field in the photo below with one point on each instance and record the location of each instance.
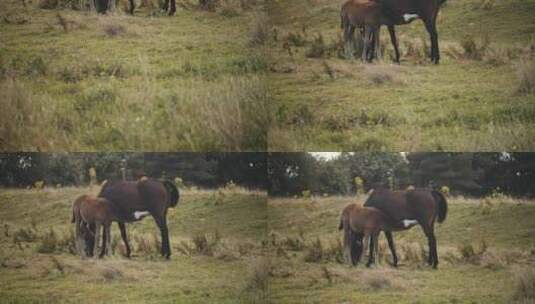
(486, 250)
(475, 100)
(216, 238)
(74, 81)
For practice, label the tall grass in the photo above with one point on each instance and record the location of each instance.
(230, 115)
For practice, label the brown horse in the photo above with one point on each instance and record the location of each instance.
(88, 210)
(421, 206)
(132, 200)
(366, 223)
(371, 14)
(367, 15)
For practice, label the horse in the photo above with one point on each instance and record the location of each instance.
(88, 210)
(418, 206)
(371, 14)
(131, 200)
(82, 229)
(366, 223)
(102, 6)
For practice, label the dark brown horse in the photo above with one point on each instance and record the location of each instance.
(130, 201)
(371, 14)
(421, 206)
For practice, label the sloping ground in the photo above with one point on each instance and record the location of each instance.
(484, 246)
(77, 81)
(39, 268)
(469, 102)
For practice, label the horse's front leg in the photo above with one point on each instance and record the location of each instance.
(172, 11)
(349, 39)
(377, 44)
(131, 7)
(371, 257)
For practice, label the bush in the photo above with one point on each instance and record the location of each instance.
(49, 242)
(524, 284)
(525, 71)
(473, 49)
(259, 35)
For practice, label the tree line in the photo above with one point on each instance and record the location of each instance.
(473, 174)
(207, 170)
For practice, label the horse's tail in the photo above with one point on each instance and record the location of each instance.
(73, 216)
(442, 205)
(173, 192)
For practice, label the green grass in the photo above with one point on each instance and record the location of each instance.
(461, 105)
(226, 276)
(504, 225)
(148, 82)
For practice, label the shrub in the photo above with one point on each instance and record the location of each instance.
(377, 281)
(475, 50)
(317, 48)
(49, 242)
(205, 246)
(259, 35)
(524, 284)
(113, 30)
(208, 5)
(525, 71)
(315, 252)
(24, 235)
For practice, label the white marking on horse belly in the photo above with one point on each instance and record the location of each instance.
(409, 17)
(408, 223)
(140, 214)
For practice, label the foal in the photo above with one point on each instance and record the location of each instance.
(365, 223)
(98, 211)
(369, 15)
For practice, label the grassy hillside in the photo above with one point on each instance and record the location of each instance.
(473, 101)
(216, 239)
(486, 249)
(76, 81)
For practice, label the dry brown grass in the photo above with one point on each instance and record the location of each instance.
(524, 284)
(525, 71)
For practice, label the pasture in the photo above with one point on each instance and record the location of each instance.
(77, 81)
(486, 249)
(216, 242)
(479, 98)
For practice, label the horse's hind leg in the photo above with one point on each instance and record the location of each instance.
(162, 224)
(433, 255)
(97, 237)
(390, 241)
(432, 30)
(122, 228)
(165, 6)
